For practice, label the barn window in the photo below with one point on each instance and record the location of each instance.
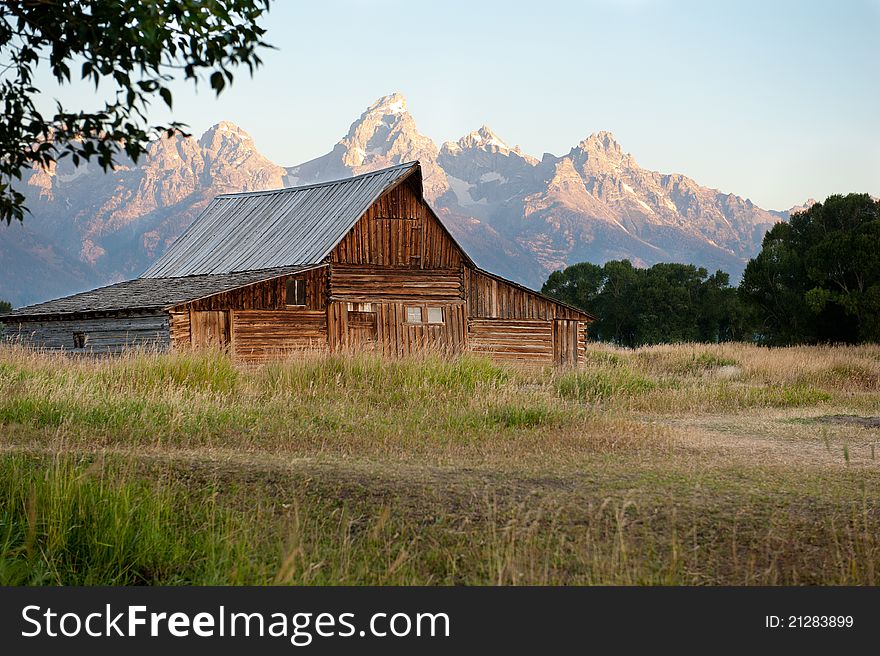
(296, 291)
(435, 315)
(79, 340)
(413, 314)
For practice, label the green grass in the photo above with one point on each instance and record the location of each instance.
(81, 521)
(598, 385)
(210, 371)
(67, 523)
(639, 467)
(706, 361)
(852, 376)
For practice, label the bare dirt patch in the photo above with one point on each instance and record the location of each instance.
(850, 420)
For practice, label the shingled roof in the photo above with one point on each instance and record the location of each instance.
(148, 294)
(283, 227)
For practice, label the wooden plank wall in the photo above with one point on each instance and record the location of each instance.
(363, 330)
(490, 298)
(337, 326)
(396, 337)
(369, 283)
(268, 294)
(210, 328)
(260, 335)
(565, 341)
(181, 337)
(112, 334)
(398, 230)
(523, 340)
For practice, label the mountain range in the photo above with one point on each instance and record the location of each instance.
(517, 215)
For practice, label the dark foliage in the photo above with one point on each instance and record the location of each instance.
(817, 277)
(131, 47)
(665, 303)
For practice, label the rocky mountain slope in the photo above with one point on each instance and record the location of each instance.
(88, 228)
(517, 215)
(525, 217)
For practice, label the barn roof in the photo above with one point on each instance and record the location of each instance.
(282, 227)
(148, 293)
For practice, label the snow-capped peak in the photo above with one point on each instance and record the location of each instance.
(226, 134)
(482, 138)
(225, 126)
(388, 105)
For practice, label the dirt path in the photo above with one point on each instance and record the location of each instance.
(784, 437)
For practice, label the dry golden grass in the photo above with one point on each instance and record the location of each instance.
(671, 464)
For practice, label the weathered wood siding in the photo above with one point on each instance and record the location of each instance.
(267, 295)
(401, 338)
(565, 341)
(243, 318)
(525, 340)
(491, 298)
(509, 322)
(350, 327)
(561, 341)
(363, 328)
(180, 329)
(399, 230)
(210, 328)
(259, 335)
(368, 283)
(112, 334)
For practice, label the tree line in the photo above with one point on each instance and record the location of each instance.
(667, 302)
(816, 279)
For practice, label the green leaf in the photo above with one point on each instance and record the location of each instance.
(217, 81)
(134, 48)
(166, 95)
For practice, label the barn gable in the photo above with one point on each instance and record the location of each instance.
(400, 230)
(267, 229)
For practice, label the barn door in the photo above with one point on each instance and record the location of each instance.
(362, 330)
(565, 342)
(210, 329)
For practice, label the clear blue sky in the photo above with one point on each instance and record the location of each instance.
(773, 100)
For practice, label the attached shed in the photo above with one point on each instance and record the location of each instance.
(362, 263)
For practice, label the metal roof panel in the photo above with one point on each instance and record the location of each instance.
(281, 227)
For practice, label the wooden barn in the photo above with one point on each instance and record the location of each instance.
(360, 263)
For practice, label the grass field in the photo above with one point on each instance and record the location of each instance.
(686, 464)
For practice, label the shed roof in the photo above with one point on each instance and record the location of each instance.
(148, 293)
(282, 227)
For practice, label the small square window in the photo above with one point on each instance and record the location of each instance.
(435, 315)
(413, 314)
(296, 291)
(79, 340)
